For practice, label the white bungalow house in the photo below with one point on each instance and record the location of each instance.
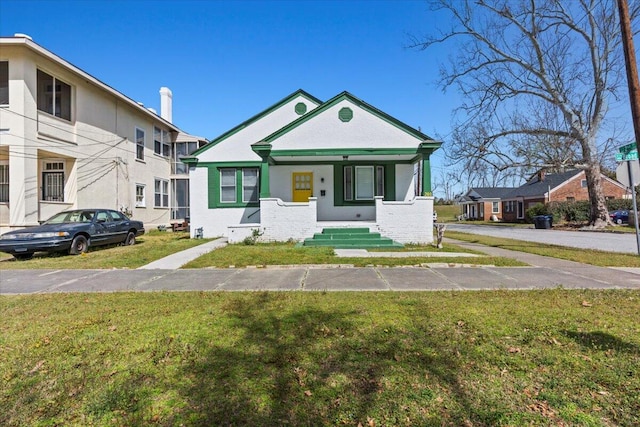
(68, 140)
(302, 165)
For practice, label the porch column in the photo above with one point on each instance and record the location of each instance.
(426, 175)
(264, 151)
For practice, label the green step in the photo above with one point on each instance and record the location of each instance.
(350, 238)
(346, 230)
(320, 236)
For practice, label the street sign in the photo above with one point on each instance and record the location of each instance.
(628, 148)
(627, 152)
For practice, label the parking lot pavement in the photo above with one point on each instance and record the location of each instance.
(315, 278)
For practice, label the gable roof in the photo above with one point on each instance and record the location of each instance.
(360, 103)
(538, 187)
(477, 193)
(257, 117)
(27, 42)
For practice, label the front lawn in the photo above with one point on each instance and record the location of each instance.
(263, 254)
(149, 247)
(500, 358)
(585, 256)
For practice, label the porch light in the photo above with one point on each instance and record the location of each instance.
(345, 158)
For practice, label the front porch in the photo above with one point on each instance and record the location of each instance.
(402, 221)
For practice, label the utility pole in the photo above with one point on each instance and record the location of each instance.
(632, 69)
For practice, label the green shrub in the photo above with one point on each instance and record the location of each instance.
(535, 210)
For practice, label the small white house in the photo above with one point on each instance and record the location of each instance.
(302, 165)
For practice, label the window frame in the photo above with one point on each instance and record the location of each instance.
(4, 83)
(495, 207)
(348, 181)
(141, 202)
(58, 90)
(140, 146)
(4, 181)
(161, 145)
(58, 167)
(161, 195)
(215, 190)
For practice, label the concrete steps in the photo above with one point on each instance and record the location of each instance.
(350, 238)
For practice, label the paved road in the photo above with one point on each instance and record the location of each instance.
(611, 242)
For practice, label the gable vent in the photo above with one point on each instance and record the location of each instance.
(345, 114)
(301, 108)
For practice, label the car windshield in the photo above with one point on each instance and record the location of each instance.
(73, 216)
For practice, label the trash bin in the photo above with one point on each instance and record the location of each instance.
(543, 221)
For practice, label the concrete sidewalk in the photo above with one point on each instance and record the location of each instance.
(164, 275)
(179, 259)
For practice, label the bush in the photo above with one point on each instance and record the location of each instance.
(535, 210)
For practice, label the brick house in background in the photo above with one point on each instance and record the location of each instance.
(483, 203)
(555, 187)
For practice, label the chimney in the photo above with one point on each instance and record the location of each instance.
(166, 104)
(541, 175)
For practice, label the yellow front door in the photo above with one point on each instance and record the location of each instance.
(302, 186)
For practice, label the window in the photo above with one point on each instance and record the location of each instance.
(583, 183)
(227, 185)
(4, 183)
(179, 198)
(54, 96)
(363, 182)
(140, 202)
(571, 199)
(4, 83)
(139, 144)
(161, 142)
(182, 149)
(161, 193)
(53, 181)
(249, 185)
(495, 207)
(239, 185)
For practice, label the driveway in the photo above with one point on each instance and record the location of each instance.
(611, 242)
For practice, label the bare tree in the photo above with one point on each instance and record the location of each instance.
(536, 77)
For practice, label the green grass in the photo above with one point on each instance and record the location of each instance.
(290, 254)
(586, 256)
(500, 358)
(447, 213)
(149, 247)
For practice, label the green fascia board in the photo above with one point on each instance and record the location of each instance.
(238, 164)
(360, 103)
(343, 152)
(189, 160)
(257, 117)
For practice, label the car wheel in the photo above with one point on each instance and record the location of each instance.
(131, 239)
(23, 257)
(79, 245)
(619, 221)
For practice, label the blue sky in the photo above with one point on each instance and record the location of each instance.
(228, 60)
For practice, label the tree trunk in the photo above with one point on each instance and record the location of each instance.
(599, 212)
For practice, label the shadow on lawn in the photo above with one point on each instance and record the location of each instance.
(315, 367)
(602, 341)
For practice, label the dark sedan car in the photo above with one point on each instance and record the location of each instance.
(72, 231)
(619, 216)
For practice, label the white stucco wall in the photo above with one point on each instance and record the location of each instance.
(364, 130)
(214, 222)
(237, 147)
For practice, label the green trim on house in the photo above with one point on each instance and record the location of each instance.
(213, 183)
(257, 117)
(338, 183)
(343, 152)
(356, 101)
(426, 176)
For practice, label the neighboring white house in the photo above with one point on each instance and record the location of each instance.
(68, 140)
(304, 164)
